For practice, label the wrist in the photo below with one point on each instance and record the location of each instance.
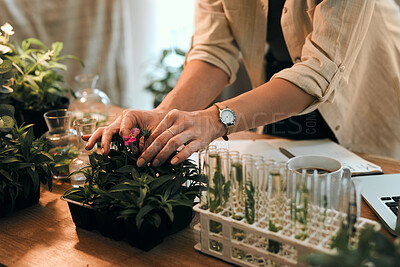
(161, 109)
(217, 127)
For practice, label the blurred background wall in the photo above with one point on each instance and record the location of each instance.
(120, 40)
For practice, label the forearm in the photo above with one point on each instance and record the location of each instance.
(200, 83)
(270, 102)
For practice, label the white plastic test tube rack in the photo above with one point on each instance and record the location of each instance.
(254, 245)
(268, 239)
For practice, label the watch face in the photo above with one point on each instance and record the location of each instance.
(227, 117)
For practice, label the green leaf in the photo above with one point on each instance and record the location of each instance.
(183, 202)
(160, 181)
(143, 193)
(341, 241)
(72, 191)
(46, 155)
(72, 57)
(168, 211)
(56, 65)
(57, 47)
(156, 219)
(27, 42)
(126, 169)
(143, 212)
(135, 173)
(128, 213)
(23, 165)
(11, 160)
(6, 66)
(35, 178)
(6, 175)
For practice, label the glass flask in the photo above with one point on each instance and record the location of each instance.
(90, 101)
(62, 139)
(83, 126)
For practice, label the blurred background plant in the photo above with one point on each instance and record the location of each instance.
(6, 69)
(38, 83)
(165, 74)
(31, 78)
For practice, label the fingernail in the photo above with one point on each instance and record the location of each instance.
(174, 161)
(102, 150)
(87, 146)
(140, 162)
(156, 163)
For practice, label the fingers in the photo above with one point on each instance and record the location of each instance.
(105, 134)
(171, 146)
(164, 124)
(93, 138)
(162, 136)
(98, 134)
(187, 151)
(128, 121)
(86, 137)
(106, 138)
(159, 143)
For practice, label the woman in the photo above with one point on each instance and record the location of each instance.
(346, 64)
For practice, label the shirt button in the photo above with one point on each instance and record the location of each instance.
(337, 127)
(284, 10)
(342, 68)
(297, 60)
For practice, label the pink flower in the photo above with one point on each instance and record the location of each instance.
(129, 140)
(135, 132)
(132, 136)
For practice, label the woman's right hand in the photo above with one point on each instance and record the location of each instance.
(122, 125)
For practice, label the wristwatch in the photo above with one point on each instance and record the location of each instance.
(227, 117)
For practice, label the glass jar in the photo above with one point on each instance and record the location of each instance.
(90, 101)
(62, 139)
(83, 126)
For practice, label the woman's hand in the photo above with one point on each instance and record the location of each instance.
(122, 125)
(195, 130)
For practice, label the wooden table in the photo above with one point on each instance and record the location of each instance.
(45, 235)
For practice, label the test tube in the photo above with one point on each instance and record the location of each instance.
(250, 188)
(225, 182)
(214, 180)
(203, 181)
(303, 203)
(277, 196)
(237, 194)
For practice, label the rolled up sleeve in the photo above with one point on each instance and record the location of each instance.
(330, 50)
(212, 41)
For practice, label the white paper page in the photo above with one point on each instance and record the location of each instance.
(326, 147)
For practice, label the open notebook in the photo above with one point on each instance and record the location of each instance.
(269, 149)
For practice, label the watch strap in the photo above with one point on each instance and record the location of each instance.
(220, 108)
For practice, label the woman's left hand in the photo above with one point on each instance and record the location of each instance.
(195, 130)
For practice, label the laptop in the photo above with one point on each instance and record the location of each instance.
(382, 194)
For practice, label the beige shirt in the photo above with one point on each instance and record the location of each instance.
(346, 53)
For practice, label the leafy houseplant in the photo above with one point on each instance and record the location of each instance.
(165, 76)
(32, 71)
(373, 248)
(148, 201)
(24, 164)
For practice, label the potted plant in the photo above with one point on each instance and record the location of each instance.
(34, 78)
(143, 204)
(24, 164)
(165, 74)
